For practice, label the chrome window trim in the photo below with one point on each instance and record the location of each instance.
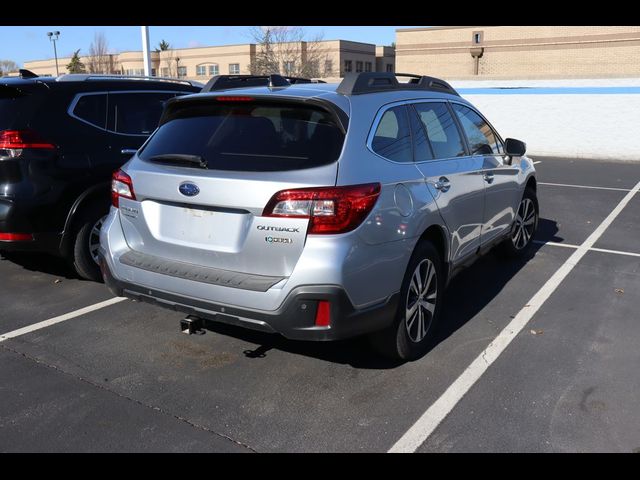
(382, 110)
(78, 96)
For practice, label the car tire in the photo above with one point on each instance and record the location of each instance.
(410, 335)
(84, 239)
(524, 227)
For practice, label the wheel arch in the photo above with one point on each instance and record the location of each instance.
(85, 199)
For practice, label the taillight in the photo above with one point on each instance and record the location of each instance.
(19, 139)
(121, 186)
(16, 237)
(329, 209)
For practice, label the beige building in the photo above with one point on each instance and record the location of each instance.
(334, 58)
(519, 52)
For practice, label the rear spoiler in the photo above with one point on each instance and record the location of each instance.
(176, 104)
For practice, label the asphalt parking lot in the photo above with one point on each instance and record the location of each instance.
(124, 378)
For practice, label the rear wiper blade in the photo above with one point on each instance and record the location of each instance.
(195, 160)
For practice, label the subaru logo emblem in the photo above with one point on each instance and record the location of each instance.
(189, 189)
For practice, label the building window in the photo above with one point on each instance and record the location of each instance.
(358, 67)
(214, 70)
(367, 66)
(201, 70)
(153, 72)
(348, 66)
(182, 72)
(328, 67)
(234, 69)
(132, 72)
(289, 66)
(165, 71)
(477, 37)
(389, 67)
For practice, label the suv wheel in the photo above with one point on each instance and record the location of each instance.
(86, 244)
(420, 298)
(524, 226)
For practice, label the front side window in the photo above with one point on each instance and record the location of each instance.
(136, 113)
(92, 109)
(392, 138)
(441, 130)
(482, 140)
(234, 69)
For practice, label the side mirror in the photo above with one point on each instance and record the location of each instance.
(515, 148)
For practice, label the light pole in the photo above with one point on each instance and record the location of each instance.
(53, 36)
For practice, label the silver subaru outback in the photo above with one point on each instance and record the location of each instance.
(317, 211)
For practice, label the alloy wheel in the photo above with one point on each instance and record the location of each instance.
(525, 224)
(94, 239)
(421, 300)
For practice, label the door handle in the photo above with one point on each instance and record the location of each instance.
(128, 151)
(488, 177)
(442, 184)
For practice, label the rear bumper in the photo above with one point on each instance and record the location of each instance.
(14, 218)
(295, 319)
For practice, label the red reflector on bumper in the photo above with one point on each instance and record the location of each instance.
(323, 318)
(16, 237)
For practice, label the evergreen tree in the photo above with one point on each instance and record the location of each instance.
(75, 65)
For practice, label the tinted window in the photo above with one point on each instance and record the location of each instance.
(421, 148)
(392, 139)
(481, 138)
(136, 113)
(92, 109)
(250, 137)
(441, 130)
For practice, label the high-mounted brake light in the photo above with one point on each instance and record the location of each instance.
(329, 209)
(228, 98)
(121, 186)
(18, 139)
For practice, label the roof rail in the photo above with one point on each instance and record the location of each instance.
(24, 73)
(226, 82)
(372, 82)
(83, 77)
(294, 80)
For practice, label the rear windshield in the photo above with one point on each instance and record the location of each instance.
(10, 102)
(250, 136)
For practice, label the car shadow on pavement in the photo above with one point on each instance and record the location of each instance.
(358, 353)
(40, 262)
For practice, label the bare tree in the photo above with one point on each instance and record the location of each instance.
(99, 60)
(285, 50)
(7, 66)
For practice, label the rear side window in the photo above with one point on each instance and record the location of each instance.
(136, 113)
(392, 138)
(250, 136)
(482, 140)
(92, 109)
(441, 129)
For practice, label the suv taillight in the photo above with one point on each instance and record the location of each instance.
(121, 186)
(329, 209)
(19, 139)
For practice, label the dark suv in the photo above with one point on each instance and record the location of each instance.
(60, 140)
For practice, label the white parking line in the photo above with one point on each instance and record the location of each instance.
(585, 186)
(60, 318)
(593, 249)
(536, 163)
(428, 422)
